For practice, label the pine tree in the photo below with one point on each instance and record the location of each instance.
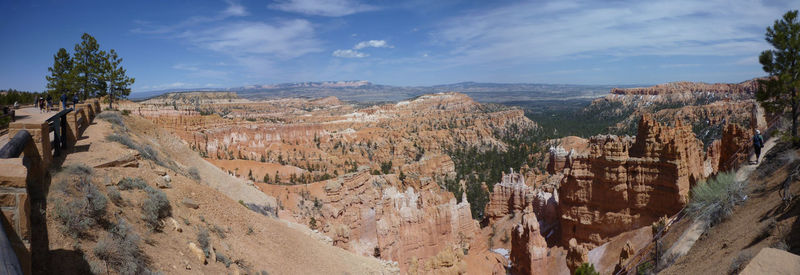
(118, 82)
(88, 59)
(61, 78)
(780, 91)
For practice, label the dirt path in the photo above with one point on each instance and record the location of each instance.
(682, 246)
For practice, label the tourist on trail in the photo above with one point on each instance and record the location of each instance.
(49, 102)
(38, 99)
(75, 101)
(758, 143)
(63, 101)
(41, 105)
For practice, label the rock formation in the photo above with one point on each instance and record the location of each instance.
(529, 252)
(622, 184)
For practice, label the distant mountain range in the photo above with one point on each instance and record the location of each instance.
(365, 91)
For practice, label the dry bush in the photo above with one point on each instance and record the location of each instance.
(78, 204)
(131, 183)
(155, 207)
(113, 118)
(740, 261)
(119, 249)
(204, 241)
(115, 196)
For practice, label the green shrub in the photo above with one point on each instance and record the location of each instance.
(586, 269)
(126, 112)
(155, 207)
(131, 183)
(714, 200)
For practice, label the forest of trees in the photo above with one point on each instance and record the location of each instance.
(8, 97)
(88, 72)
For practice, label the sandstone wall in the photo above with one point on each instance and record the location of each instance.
(624, 184)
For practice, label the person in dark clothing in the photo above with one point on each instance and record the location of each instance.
(63, 101)
(75, 101)
(49, 102)
(758, 143)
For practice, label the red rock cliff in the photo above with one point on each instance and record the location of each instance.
(623, 184)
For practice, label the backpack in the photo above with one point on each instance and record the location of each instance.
(758, 141)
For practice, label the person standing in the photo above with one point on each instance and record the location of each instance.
(64, 101)
(75, 101)
(758, 143)
(49, 102)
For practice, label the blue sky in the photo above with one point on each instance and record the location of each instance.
(195, 44)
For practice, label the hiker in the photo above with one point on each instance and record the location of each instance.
(758, 143)
(64, 101)
(75, 101)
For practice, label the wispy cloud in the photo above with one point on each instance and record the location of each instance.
(567, 29)
(254, 45)
(235, 9)
(349, 54)
(354, 53)
(331, 8)
(372, 43)
(285, 39)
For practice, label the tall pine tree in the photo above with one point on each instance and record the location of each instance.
(781, 90)
(88, 66)
(118, 82)
(61, 79)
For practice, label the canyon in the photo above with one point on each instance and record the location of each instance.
(373, 178)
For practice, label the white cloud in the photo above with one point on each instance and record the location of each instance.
(234, 9)
(284, 40)
(568, 29)
(349, 54)
(372, 43)
(332, 8)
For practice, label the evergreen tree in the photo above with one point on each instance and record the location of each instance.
(780, 90)
(88, 60)
(118, 82)
(61, 78)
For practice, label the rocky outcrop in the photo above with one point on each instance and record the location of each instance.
(529, 252)
(735, 147)
(511, 196)
(747, 87)
(623, 184)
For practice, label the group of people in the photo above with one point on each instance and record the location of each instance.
(45, 103)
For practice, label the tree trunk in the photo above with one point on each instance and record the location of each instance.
(794, 117)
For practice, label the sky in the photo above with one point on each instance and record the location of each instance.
(232, 43)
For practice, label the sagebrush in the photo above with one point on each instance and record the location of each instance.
(155, 207)
(714, 200)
